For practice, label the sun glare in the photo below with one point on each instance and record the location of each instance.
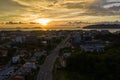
(43, 21)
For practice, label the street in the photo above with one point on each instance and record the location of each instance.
(46, 69)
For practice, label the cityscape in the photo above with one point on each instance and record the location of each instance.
(59, 39)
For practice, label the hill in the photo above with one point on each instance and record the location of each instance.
(101, 26)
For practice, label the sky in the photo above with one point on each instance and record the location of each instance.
(60, 10)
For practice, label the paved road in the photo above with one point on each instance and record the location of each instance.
(46, 69)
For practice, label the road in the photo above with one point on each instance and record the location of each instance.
(46, 69)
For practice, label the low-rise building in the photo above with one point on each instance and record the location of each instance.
(93, 46)
(18, 78)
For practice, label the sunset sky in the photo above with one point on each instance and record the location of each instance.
(59, 10)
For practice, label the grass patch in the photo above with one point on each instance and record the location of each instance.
(60, 75)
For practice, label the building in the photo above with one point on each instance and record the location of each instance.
(19, 39)
(31, 65)
(18, 78)
(76, 39)
(93, 46)
(15, 59)
(8, 71)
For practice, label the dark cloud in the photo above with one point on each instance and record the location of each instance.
(33, 9)
(78, 5)
(9, 5)
(115, 8)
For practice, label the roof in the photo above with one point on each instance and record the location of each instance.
(18, 78)
(1, 78)
(6, 71)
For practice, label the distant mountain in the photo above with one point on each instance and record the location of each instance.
(101, 26)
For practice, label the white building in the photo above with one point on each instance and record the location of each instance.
(93, 46)
(31, 65)
(20, 39)
(15, 59)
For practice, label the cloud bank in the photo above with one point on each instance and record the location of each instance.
(30, 10)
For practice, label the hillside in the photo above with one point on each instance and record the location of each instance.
(101, 26)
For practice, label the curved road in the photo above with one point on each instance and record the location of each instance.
(46, 69)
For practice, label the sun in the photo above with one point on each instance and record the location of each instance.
(43, 21)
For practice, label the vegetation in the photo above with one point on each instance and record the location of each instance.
(32, 75)
(94, 65)
(41, 59)
(104, 66)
